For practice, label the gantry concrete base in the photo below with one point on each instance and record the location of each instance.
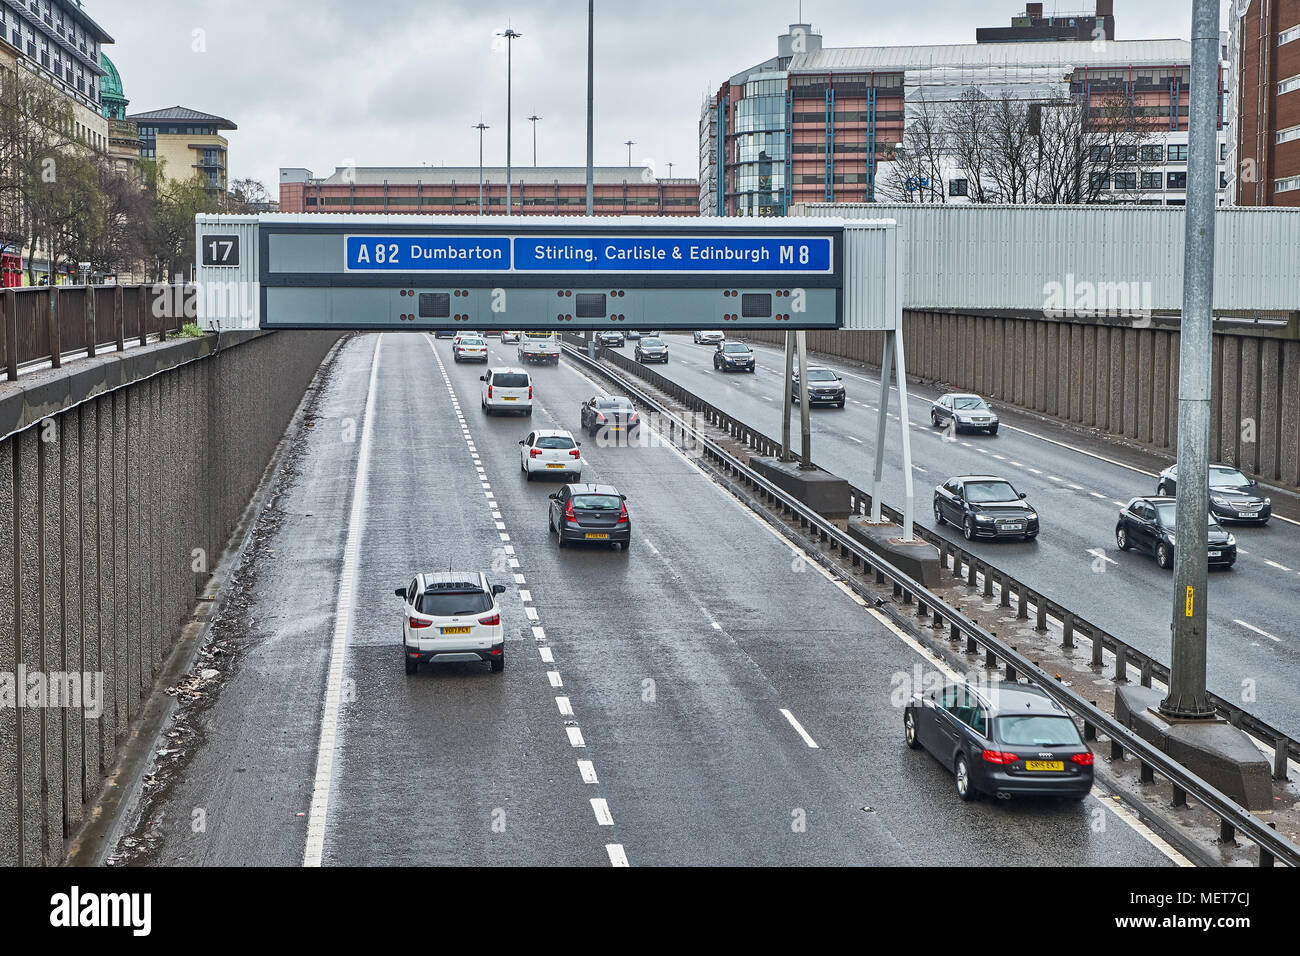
(918, 559)
(825, 493)
(1214, 750)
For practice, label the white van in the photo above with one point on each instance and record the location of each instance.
(506, 390)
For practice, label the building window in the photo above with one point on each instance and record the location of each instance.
(1289, 85)
(1289, 134)
(1286, 36)
(1126, 180)
(1178, 152)
(1177, 180)
(1223, 152)
(958, 187)
(1126, 154)
(1152, 180)
(1223, 180)
(1287, 185)
(1100, 154)
(1099, 182)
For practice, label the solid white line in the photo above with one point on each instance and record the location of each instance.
(851, 438)
(601, 808)
(616, 855)
(1144, 831)
(1252, 627)
(1274, 564)
(315, 845)
(799, 728)
(588, 771)
(575, 737)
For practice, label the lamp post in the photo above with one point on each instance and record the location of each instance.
(533, 119)
(629, 144)
(591, 61)
(480, 127)
(510, 36)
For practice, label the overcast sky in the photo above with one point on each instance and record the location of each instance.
(326, 83)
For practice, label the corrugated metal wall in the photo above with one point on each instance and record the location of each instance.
(230, 294)
(975, 257)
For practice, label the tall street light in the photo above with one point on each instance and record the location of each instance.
(510, 36)
(591, 62)
(533, 119)
(629, 143)
(480, 127)
(1187, 697)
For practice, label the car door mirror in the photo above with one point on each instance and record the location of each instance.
(400, 592)
(554, 496)
(482, 378)
(1022, 495)
(522, 442)
(498, 589)
(578, 443)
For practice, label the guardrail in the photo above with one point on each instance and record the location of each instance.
(50, 323)
(1233, 817)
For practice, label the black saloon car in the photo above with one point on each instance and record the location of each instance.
(1147, 524)
(824, 387)
(651, 349)
(610, 340)
(611, 414)
(590, 513)
(985, 506)
(1004, 739)
(733, 357)
(1233, 496)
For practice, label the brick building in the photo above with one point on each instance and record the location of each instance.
(454, 190)
(1264, 46)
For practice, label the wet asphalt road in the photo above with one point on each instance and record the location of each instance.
(1078, 498)
(676, 659)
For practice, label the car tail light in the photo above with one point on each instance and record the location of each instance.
(489, 391)
(530, 392)
(534, 452)
(600, 417)
(575, 453)
(416, 622)
(999, 756)
(491, 621)
(632, 417)
(1083, 760)
(622, 515)
(568, 512)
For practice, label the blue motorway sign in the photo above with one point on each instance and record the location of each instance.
(777, 255)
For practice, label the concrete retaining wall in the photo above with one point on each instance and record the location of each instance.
(123, 476)
(1107, 375)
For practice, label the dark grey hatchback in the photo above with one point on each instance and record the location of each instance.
(1004, 739)
(591, 514)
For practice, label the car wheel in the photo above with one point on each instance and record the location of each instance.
(528, 474)
(1162, 491)
(934, 419)
(499, 662)
(938, 514)
(968, 528)
(559, 538)
(1164, 557)
(1121, 538)
(909, 730)
(841, 404)
(965, 789)
(411, 665)
(993, 430)
(529, 413)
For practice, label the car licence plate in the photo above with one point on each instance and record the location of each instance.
(554, 466)
(1014, 526)
(1045, 765)
(455, 630)
(1216, 554)
(602, 537)
(509, 398)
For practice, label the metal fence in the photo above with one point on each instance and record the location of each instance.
(961, 630)
(49, 324)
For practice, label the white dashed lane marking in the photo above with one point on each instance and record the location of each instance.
(1252, 627)
(807, 738)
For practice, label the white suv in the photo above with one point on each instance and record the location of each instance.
(552, 451)
(506, 390)
(452, 617)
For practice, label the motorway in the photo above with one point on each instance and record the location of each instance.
(1254, 654)
(703, 698)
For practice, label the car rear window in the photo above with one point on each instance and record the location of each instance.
(554, 441)
(470, 340)
(454, 603)
(510, 380)
(597, 502)
(614, 403)
(1037, 730)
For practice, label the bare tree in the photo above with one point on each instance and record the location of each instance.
(916, 174)
(247, 196)
(1013, 151)
(968, 123)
